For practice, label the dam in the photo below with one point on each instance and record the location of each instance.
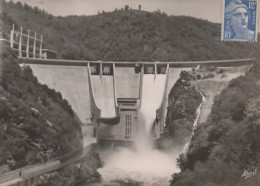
(115, 96)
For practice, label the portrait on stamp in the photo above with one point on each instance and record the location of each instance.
(240, 18)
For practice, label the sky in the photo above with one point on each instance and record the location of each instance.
(211, 10)
(205, 9)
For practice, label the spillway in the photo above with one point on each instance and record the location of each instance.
(103, 90)
(153, 89)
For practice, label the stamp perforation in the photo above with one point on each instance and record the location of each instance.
(239, 21)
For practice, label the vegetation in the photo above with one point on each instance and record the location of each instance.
(83, 172)
(228, 145)
(183, 102)
(36, 124)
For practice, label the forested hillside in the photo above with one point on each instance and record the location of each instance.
(36, 124)
(228, 144)
(126, 35)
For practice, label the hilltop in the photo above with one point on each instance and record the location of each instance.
(126, 35)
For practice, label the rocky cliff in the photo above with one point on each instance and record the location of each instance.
(181, 112)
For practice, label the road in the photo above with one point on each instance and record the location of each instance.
(25, 173)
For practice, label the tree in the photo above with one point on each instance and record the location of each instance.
(26, 6)
(11, 2)
(126, 7)
(252, 110)
(19, 4)
(35, 9)
(181, 161)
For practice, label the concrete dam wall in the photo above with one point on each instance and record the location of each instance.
(115, 96)
(85, 90)
(71, 81)
(107, 96)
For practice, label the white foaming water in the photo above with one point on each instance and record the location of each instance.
(147, 167)
(152, 96)
(195, 124)
(198, 111)
(88, 135)
(153, 89)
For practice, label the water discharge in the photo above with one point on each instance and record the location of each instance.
(152, 96)
(195, 124)
(142, 165)
(198, 111)
(146, 168)
(88, 138)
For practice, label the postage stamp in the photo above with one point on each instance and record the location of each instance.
(240, 20)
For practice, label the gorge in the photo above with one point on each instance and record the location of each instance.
(228, 122)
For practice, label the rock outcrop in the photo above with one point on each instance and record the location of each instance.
(181, 112)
